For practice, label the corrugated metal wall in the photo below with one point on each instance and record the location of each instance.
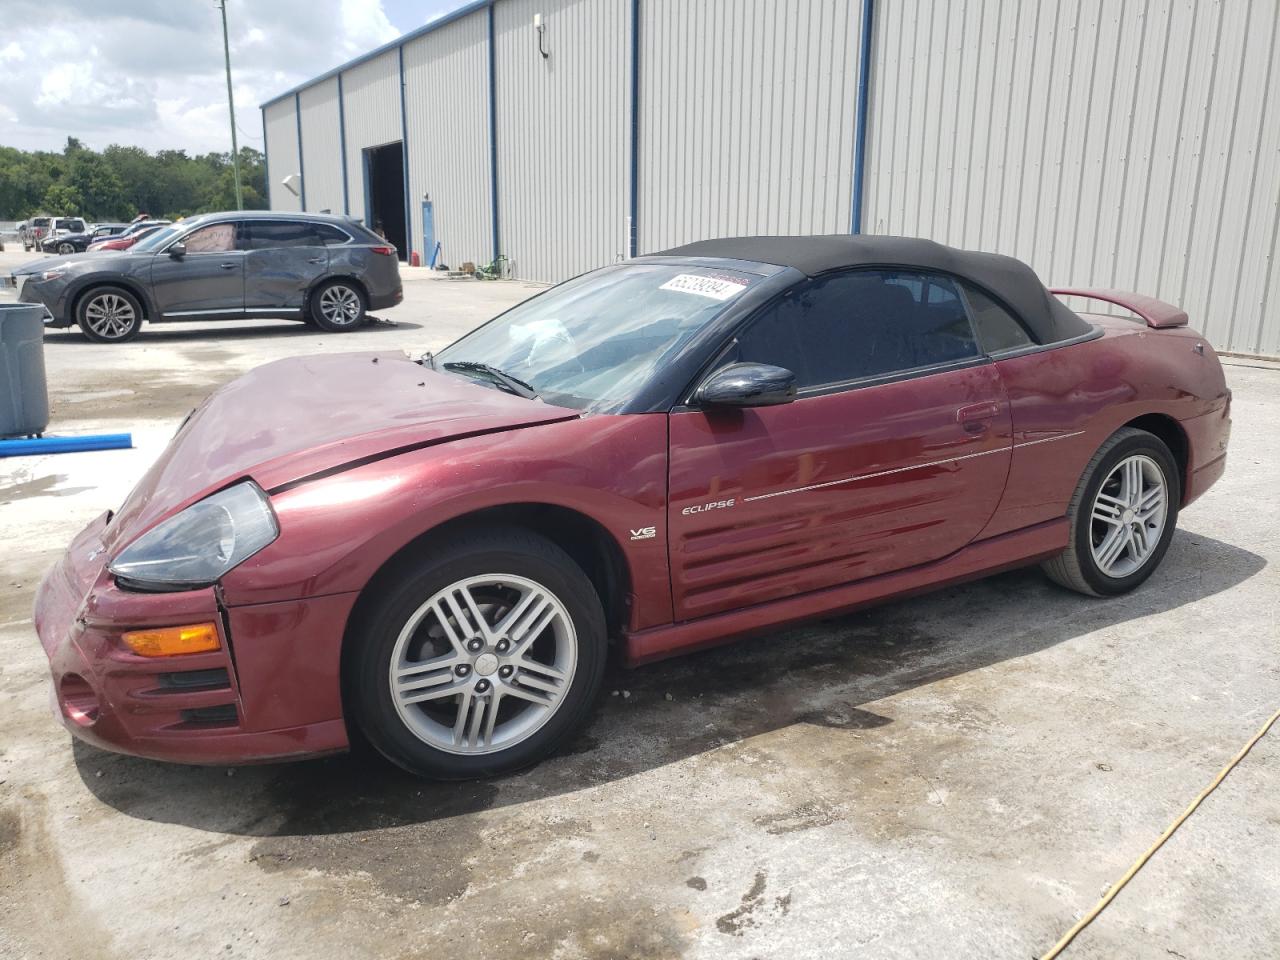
(371, 106)
(1111, 144)
(321, 146)
(746, 118)
(1131, 145)
(447, 102)
(281, 125)
(562, 133)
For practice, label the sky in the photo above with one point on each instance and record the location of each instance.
(150, 73)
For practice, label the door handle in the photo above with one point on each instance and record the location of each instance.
(227, 266)
(316, 260)
(974, 417)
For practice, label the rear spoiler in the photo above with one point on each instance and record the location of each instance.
(1156, 313)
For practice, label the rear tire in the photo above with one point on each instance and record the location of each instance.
(441, 694)
(1122, 515)
(109, 315)
(337, 306)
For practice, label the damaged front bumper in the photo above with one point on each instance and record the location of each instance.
(188, 708)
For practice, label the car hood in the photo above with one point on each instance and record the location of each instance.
(289, 421)
(68, 262)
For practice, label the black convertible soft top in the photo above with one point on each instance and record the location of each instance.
(1010, 280)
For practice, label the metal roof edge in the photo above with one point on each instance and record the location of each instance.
(400, 41)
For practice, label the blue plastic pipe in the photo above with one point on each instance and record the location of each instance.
(43, 445)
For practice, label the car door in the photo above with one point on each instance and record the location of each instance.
(895, 452)
(285, 259)
(206, 279)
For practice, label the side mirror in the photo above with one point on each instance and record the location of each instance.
(748, 385)
(178, 250)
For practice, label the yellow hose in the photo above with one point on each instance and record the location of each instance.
(1138, 864)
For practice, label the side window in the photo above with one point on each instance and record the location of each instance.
(330, 235)
(998, 329)
(861, 324)
(215, 238)
(272, 234)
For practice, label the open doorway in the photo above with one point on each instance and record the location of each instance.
(384, 193)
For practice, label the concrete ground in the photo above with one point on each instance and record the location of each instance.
(956, 775)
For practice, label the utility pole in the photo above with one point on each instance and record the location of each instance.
(231, 105)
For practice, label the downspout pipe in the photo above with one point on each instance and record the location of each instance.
(493, 133)
(342, 146)
(404, 163)
(864, 105)
(634, 200)
(266, 158)
(302, 173)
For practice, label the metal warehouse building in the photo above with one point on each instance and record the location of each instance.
(1129, 144)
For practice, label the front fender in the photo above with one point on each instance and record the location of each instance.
(138, 285)
(337, 532)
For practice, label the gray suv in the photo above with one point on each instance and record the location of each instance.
(221, 266)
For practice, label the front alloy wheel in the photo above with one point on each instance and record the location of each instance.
(482, 657)
(109, 315)
(66, 248)
(483, 664)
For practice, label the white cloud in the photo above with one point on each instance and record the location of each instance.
(150, 72)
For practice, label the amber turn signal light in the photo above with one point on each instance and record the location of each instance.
(173, 641)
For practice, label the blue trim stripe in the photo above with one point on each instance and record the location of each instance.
(436, 24)
(635, 125)
(342, 145)
(493, 133)
(302, 173)
(864, 103)
(404, 163)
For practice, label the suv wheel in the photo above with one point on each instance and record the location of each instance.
(481, 659)
(1122, 516)
(337, 306)
(109, 315)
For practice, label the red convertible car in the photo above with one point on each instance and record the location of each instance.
(661, 455)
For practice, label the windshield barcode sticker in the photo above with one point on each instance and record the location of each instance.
(717, 288)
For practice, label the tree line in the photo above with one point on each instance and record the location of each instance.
(120, 182)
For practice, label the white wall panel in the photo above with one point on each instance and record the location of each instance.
(1128, 145)
(321, 146)
(746, 118)
(281, 123)
(371, 102)
(563, 135)
(447, 103)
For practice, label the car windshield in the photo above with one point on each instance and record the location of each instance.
(155, 237)
(74, 226)
(593, 341)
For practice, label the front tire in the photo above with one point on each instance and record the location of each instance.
(483, 657)
(66, 249)
(109, 315)
(337, 306)
(1122, 516)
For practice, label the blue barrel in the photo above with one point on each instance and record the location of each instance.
(24, 394)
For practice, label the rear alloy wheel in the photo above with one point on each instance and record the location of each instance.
(109, 315)
(483, 660)
(1122, 516)
(66, 248)
(337, 307)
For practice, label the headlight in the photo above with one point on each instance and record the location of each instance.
(202, 543)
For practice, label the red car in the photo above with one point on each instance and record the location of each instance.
(663, 454)
(139, 230)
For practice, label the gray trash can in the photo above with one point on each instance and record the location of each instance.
(24, 394)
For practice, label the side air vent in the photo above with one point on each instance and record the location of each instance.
(195, 680)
